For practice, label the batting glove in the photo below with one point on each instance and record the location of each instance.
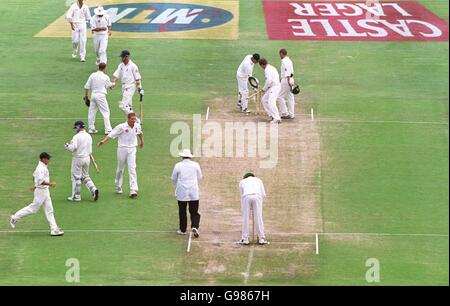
(141, 91)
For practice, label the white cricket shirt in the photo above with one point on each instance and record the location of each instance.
(76, 14)
(41, 175)
(287, 67)
(98, 83)
(127, 135)
(127, 74)
(185, 177)
(272, 77)
(251, 186)
(100, 22)
(245, 69)
(81, 145)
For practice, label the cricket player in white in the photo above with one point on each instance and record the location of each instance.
(81, 148)
(245, 71)
(98, 83)
(127, 133)
(101, 28)
(129, 76)
(252, 195)
(41, 178)
(185, 177)
(287, 80)
(78, 17)
(272, 90)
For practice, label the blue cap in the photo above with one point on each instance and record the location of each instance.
(125, 53)
(78, 124)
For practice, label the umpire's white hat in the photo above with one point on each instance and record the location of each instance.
(99, 11)
(186, 153)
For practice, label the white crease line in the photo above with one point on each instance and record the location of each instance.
(249, 264)
(312, 114)
(207, 113)
(317, 244)
(89, 231)
(382, 122)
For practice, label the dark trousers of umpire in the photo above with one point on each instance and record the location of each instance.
(193, 211)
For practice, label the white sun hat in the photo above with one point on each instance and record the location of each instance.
(99, 11)
(186, 153)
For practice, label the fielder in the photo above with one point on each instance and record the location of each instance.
(101, 29)
(272, 90)
(185, 177)
(245, 71)
(81, 148)
(287, 80)
(129, 76)
(41, 178)
(252, 194)
(78, 16)
(127, 133)
(98, 83)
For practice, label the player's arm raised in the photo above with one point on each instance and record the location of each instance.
(105, 140)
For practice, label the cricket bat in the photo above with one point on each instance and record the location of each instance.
(97, 170)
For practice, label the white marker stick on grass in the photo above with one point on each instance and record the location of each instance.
(317, 244)
(207, 113)
(190, 242)
(312, 114)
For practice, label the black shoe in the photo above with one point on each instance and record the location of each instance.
(95, 195)
(133, 196)
(195, 232)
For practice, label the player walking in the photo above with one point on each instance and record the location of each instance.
(101, 28)
(78, 16)
(81, 148)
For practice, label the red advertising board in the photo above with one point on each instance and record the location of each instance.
(370, 20)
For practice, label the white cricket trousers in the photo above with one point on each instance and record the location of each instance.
(286, 94)
(255, 202)
(243, 91)
(127, 156)
(100, 47)
(80, 175)
(126, 104)
(99, 102)
(269, 101)
(41, 198)
(79, 39)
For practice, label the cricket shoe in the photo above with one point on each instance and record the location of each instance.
(56, 232)
(289, 116)
(263, 241)
(12, 222)
(74, 199)
(245, 110)
(119, 190)
(133, 196)
(95, 195)
(195, 232)
(179, 232)
(92, 131)
(74, 55)
(284, 116)
(274, 121)
(82, 60)
(243, 242)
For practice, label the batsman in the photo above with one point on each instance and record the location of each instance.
(81, 148)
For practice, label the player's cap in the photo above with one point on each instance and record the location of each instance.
(248, 175)
(44, 155)
(99, 11)
(78, 124)
(124, 53)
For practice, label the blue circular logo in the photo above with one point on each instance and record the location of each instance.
(164, 17)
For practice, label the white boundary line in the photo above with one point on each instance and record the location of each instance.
(189, 242)
(119, 231)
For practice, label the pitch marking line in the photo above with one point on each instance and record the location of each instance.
(249, 264)
(189, 242)
(317, 244)
(275, 233)
(312, 114)
(217, 119)
(207, 113)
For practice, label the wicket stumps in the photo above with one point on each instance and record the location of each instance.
(257, 96)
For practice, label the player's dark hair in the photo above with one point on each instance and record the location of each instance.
(44, 155)
(248, 175)
(283, 51)
(256, 56)
(131, 115)
(102, 66)
(263, 62)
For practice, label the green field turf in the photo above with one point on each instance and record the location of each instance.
(384, 159)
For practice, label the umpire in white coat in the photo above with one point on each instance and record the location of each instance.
(252, 194)
(185, 177)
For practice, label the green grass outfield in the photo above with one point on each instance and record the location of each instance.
(384, 153)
